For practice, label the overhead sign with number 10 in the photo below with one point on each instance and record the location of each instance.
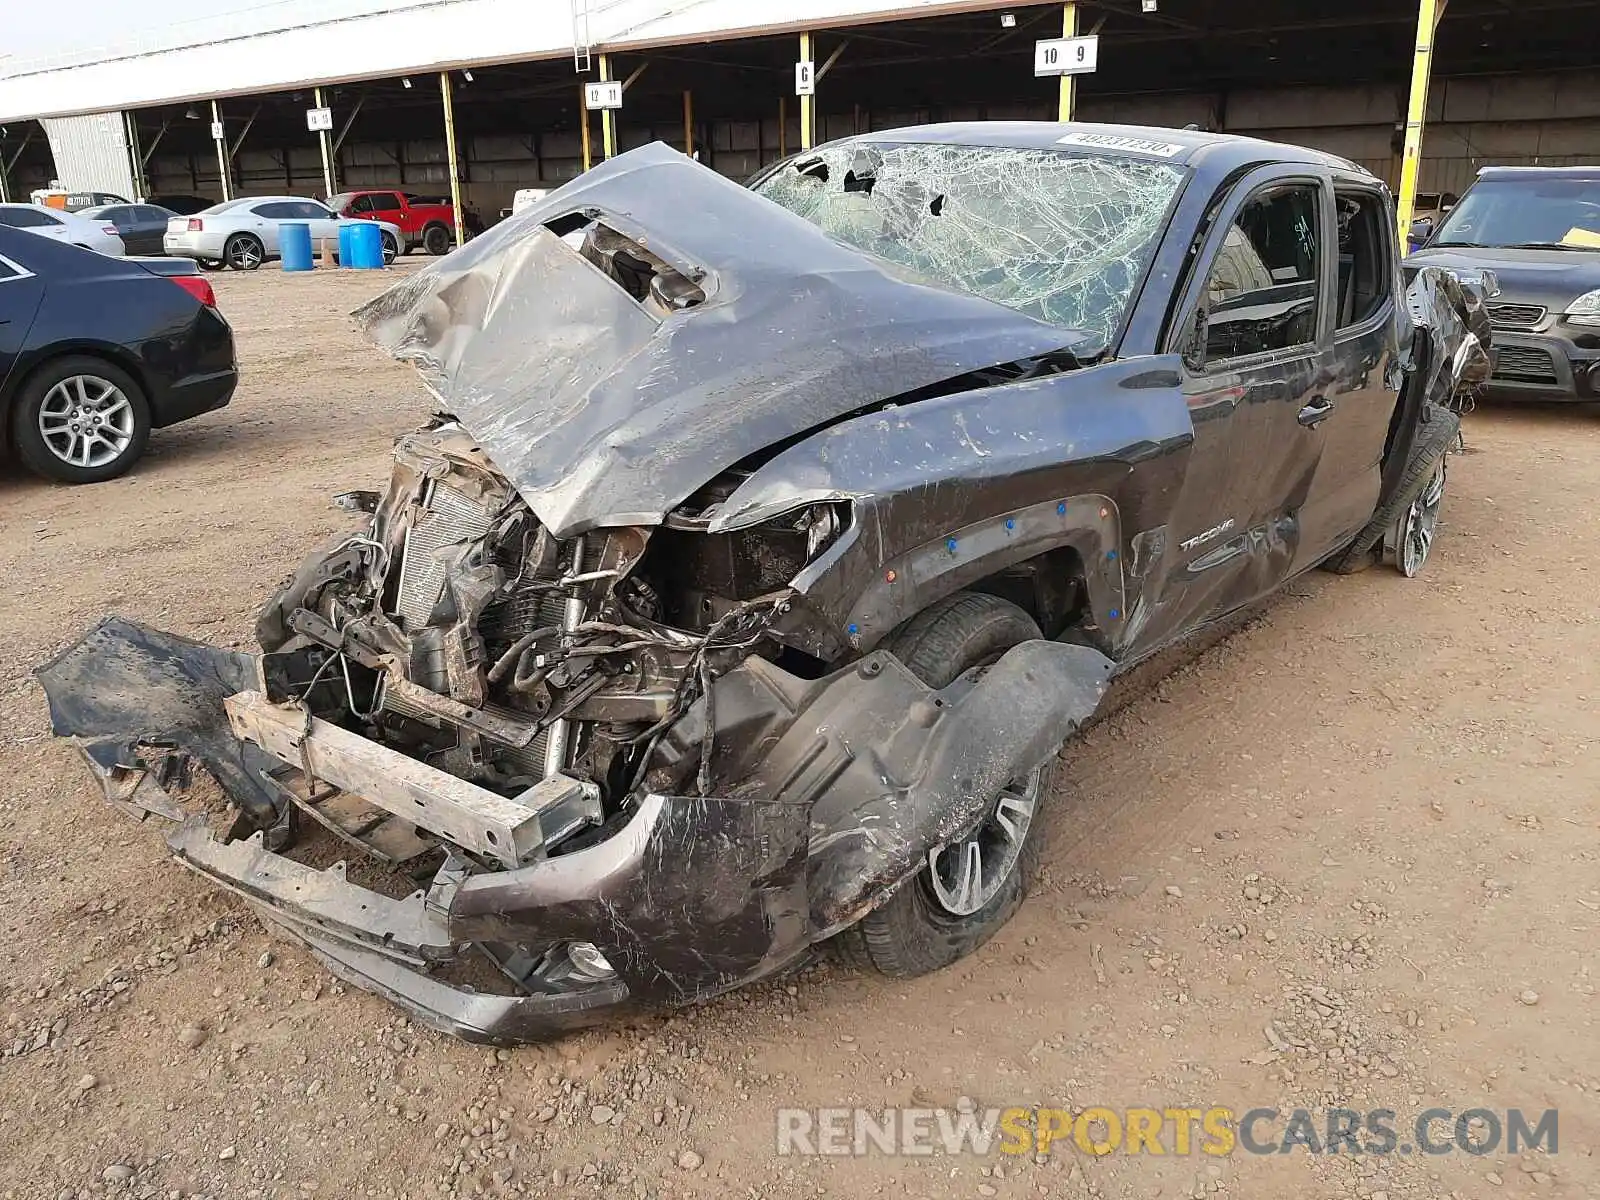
(1066, 56)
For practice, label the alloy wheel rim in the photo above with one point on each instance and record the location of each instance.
(1422, 518)
(245, 255)
(966, 874)
(86, 421)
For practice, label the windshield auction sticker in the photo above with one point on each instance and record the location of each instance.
(1118, 142)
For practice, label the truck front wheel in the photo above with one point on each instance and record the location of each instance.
(971, 886)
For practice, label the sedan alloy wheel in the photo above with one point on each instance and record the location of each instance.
(86, 421)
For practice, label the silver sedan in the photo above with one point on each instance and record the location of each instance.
(243, 234)
(64, 227)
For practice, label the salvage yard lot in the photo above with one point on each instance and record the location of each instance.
(1347, 857)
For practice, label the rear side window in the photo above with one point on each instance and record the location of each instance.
(1366, 264)
(26, 218)
(277, 211)
(1262, 288)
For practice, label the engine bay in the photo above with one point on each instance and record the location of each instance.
(455, 629)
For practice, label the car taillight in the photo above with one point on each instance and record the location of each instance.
(196, 225)
(108, 229)
(198, 287)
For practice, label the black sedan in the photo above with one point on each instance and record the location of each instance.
(95, 352)
(140, 226)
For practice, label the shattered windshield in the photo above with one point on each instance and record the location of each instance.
(1063, 238)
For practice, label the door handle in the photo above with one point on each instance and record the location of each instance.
(1319, 409)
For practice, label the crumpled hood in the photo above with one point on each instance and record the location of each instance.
(602, 413)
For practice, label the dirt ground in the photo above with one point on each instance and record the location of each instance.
(1347, 856)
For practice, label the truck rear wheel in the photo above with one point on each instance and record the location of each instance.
(970, 887)
(1423, 481)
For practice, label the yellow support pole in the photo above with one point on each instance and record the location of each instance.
(450, 154)
(688, 122)
(1428, 13)
(608, 118)
(1069, 28)
(806, 102)
(583, 118)
(222, 154)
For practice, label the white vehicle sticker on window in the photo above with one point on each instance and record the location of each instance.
(1117, 141)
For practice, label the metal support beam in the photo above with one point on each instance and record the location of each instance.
(135, 159)
(1069, 83)
(807, 103)
(688, 122)
(233, 148)
(324, 141)
(21, 146)
(144, 156)
(1428, 14)
(348, 121)
(608, 117)
(783, 127)
(450, 154)
(633, 78)
(827, 63)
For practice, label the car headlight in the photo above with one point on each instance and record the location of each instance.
(1585, 310)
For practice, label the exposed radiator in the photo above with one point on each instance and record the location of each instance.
(451, 519)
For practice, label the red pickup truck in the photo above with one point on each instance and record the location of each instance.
(426, 221)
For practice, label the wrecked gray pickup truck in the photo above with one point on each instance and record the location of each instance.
(768, 544)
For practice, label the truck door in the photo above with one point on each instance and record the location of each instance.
(1365, 387)
(1253, 333)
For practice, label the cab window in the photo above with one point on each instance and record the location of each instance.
(386, 202)
(363, 204)
(1366, 264)
(1262, 291)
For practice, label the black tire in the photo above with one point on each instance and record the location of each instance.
(912, 933)
(1435, 438)
(29, 440)
(436, 240)
(391, 248)
(211, 264)
(244, 252)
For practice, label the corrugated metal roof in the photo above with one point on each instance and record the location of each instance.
(348, 40)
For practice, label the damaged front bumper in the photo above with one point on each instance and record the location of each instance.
(842, 786)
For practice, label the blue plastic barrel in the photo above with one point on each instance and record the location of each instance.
(344, 244)
(366, 246)
(294, 244)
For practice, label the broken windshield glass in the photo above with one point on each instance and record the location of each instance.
(1061, 238)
